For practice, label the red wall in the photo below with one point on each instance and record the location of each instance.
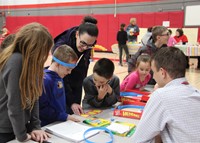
(108, 24)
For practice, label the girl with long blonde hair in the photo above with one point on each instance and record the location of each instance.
(21, 79)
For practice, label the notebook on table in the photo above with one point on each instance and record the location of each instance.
(70, 130)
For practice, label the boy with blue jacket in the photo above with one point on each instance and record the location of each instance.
(53, 99)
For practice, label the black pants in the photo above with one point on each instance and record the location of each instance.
(198, 63)
(6, 137)
(121, 47)
(187, 59)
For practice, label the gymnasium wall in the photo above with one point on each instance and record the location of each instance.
(58, 17)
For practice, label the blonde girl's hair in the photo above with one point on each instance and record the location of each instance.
(143, 58)
(34, 42)
(65, 54)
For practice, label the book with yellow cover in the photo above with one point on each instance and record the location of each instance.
(91, 113)
(123, 129)
(96, 122)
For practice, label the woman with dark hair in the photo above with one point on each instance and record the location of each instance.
(81, 38)
(180, 37)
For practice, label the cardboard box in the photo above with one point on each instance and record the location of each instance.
(128, 111)
(134, 97)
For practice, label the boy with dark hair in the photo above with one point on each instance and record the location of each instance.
(172, 110)
(102, 87)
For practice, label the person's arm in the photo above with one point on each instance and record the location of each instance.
(11, 76)
(35, 129)
(64, 38)
(73, 84)
(137, 31)
(128, 29)
(91, 93)
(184, 39)
(35, 121)
(118, 36)
(59, 40)
(174, 41)
(133, 78)
(47, 110)
(112, 98)
(76, 82)
(153, 120)
(125, 36)
(80, 75)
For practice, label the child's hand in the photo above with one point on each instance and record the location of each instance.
(39, 135)
(102, 90)
(109, 89)
(70, 117)
(77, 109)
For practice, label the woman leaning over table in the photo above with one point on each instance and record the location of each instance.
(21, 77)
(81, 39)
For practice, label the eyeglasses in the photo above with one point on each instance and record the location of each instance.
(167, 34)
(84, 44)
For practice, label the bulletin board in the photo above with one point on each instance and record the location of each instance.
(191, 15)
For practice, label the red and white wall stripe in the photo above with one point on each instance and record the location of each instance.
(59, 15)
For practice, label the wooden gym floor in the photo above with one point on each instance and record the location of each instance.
(192, 73)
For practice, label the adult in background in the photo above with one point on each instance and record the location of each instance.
(147, 36)
(81, 39)
(122, 39)
(173, 109)
(181, 39)
(132, 30)
(159, 39)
